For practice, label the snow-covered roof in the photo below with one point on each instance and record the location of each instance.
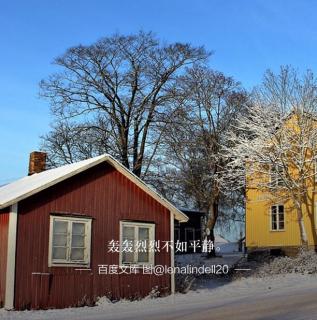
(30, 185)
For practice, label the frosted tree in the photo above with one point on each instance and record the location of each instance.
(207, 104)
(273, 146)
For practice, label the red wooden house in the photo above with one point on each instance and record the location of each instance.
(56, 227)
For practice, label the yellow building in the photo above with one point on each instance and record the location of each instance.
(271, 217)
(273, 225)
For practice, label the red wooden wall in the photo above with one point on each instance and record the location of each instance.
(4, 225)
(107, 196)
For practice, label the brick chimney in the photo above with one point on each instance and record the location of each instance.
(37, 162)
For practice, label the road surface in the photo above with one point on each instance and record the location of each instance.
(297, 305)
(292, 297)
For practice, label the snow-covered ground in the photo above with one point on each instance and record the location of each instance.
(227, 253)
(233, 300)
(290, 296)
(196, 280)
(229, 259)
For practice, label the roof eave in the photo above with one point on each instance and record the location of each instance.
(51, 183)
(180, 216)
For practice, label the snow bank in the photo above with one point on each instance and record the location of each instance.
(184, 283)
(305, 263)
(224, 293)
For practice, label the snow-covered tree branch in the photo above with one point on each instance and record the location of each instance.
(272, 147)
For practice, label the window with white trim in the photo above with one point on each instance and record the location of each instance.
(277, 218)
(69, 241)
(136, 243)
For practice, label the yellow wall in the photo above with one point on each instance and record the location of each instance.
(258, 222)
(259, 202)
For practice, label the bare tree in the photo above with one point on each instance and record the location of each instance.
(193, 158)
(120, 88)
(276, 142)
(69, 141)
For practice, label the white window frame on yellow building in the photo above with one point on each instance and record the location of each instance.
(278, 219)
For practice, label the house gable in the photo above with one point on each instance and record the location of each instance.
(30, 185)
(108, 197)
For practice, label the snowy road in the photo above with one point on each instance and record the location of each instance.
(292, 297)
(298, 306)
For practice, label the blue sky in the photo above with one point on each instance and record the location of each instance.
(247, 37)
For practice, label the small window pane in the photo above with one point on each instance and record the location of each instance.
(60, 227)
(128, 233)
(281, 217)
(273, 209)
(127, 257)
(78, 228)
(77, 254)
(274, 225)
(128, 245)
(281, 225)
(280, 209)
(59, 253)
(144, 233)
(78, 241)
(60, 240)
(143, 257)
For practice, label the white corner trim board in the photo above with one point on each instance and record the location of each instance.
(11, 254)
(172, 253)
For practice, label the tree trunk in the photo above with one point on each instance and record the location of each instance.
(137, 168)
(211, 222)
(302, 229)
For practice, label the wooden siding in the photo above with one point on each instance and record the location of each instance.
(107, 196)
(4, 226)
(259, 200)
(258, 223)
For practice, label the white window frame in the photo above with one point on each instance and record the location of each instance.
(277, 218)
(136, 226)
(68, 262)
